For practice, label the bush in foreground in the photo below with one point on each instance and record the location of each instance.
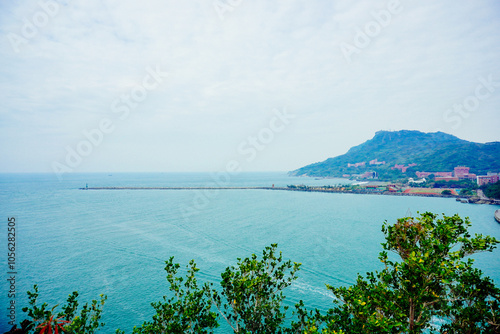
(44, 320)
(430, 288)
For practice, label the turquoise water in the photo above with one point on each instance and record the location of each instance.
(116, 242)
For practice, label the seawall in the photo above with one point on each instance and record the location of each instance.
(306, 189)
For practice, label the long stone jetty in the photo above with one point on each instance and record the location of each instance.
(306, 189)
(174, 188)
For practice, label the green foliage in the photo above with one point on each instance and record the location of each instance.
(465, 192)
(187, 311)
(300, 186)
(446, 192)
(42, 319)
(428, 279)
(467, 184)
(492, 190)
(252, 292)
(395, 175)
(250, 298)
(432, 281)
(474, 306)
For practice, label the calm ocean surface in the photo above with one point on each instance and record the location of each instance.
(115, 242)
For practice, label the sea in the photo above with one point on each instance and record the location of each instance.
(116, 242)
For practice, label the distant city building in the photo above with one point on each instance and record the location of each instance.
(436, 174)
(485, 179)
(357, 164)
(461, 172)
(370, 175)
(366, 175)
(376, 162)
(422, 180)
(446, 178)
(403, 168)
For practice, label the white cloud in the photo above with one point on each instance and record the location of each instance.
(226, 76)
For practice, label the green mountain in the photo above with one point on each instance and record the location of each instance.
(431, 152)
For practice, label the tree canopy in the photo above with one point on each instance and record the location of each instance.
(428, 284)
(492, 190)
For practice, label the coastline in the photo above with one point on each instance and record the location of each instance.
(470, 199)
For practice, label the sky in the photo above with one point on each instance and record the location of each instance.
(210, 85)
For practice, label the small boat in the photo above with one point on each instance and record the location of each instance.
(497, 216)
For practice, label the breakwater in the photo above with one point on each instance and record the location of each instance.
(306, 189)
(468, 199)
(171, 188)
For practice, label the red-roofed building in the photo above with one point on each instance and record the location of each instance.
(376, 162)
(461, 172)
(446, 178)
(443, 174)
(436, 174)
(400, 167)
(485, 179)
(357, 164)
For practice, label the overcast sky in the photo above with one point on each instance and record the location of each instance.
(271, 85)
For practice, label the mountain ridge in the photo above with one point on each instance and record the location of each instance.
(431, 152)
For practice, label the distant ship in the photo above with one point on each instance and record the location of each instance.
(497, 215)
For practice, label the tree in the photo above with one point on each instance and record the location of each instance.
(431, 281)
(446, 192)
(475, 305)
(252, 292)
(465, 192)
(249, 299)
(426, 277)
(492, 190)
(187, 311)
